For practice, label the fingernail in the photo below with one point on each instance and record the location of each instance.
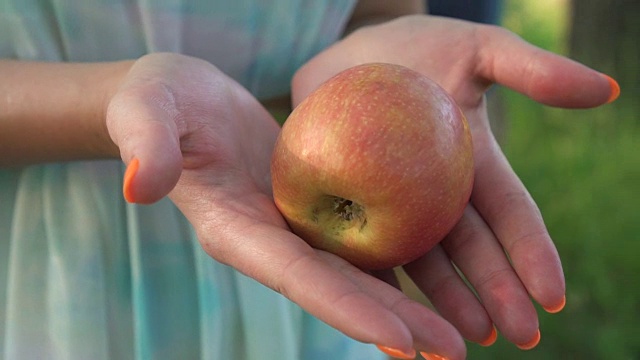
(429, 356)
(491, 339)
(531, 344)
(396, 353)
(615, 89)
(556, 308)
(129, 175)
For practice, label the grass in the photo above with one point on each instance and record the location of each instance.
(583, 169)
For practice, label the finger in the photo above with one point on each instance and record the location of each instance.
(286, 264)
(545, 77)
(430, 332)
(144, 130)
(475, 250)
(506, 206)
(438, 279)
(438, 342)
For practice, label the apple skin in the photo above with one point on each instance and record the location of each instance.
(375, 166)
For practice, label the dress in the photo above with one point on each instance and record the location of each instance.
(85, 275)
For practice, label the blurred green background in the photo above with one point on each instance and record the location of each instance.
(583, 169)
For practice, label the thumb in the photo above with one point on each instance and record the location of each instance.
(545, 77)
(142, 126)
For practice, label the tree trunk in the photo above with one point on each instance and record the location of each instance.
(605, 35)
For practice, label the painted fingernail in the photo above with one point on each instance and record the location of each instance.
(491, 339)
(396, 353)
(129, 176)
(615, 89)
(531, 344)
(429, 356)
(557, 308)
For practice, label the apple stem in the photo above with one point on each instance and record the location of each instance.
(343, 208)
(348, 210)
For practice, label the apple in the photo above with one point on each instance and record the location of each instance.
(375, 166)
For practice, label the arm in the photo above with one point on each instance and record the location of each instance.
(55, 111)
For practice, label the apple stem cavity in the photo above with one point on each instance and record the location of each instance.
(339, 214)
(348, 211)
(344, 208)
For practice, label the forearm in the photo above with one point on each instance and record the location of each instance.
(55, 111)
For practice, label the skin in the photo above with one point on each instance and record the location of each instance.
(206, 142)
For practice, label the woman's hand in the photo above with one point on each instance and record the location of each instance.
(188, 130)
(466, 58)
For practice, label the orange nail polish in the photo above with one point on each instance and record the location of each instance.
(556, 308)
(129, 175)
(399, 354)
(531, 344)
(615, 89)
(491, 339)
(429, 356)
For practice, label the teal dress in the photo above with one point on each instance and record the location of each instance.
(85, 275)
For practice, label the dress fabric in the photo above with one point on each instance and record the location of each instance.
(85, 275)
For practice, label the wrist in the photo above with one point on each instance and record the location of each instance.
(110, 79)
(55, 111)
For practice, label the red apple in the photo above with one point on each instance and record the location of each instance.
(375, 166)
